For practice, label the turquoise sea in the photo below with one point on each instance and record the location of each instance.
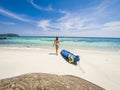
(88, 43)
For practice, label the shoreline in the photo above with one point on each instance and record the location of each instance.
(61, 48)
(98, 67)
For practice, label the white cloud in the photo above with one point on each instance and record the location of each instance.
(75, 26)
(75, 22)
(8, 23)
(49, 8)
(68, 22)
(112, 24)
(12, 15)
(44, 24)
(89, 24)
(108, 29)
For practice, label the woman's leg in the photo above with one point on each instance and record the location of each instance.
(57, 50)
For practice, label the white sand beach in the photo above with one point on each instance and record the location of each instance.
(99, 67)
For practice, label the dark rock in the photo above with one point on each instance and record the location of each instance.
(41, 81)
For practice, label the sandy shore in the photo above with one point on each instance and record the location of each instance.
(99, 67)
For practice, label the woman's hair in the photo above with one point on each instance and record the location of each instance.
(56, 38)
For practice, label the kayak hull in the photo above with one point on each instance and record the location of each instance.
(70, 57)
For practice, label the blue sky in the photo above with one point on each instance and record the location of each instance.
(84, 18)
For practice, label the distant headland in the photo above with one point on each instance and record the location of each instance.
(4, 36)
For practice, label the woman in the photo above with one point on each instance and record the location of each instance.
(56, 44)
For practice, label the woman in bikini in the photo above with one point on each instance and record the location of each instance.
(56, 44)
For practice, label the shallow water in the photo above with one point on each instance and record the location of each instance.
(65, 42)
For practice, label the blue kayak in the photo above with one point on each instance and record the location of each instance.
(70, 57)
